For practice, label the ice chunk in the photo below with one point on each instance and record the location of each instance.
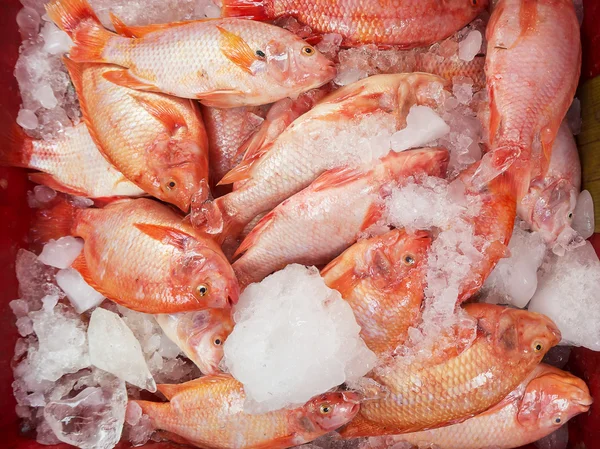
(114, 348)
(294, 338)
(80, 294)
(24, 326)
(35, 278)
(469, 47)
(349, 76)
(56, 42)
(423, 126)
(61, 253)
(45, 95)
(27, 119)
(568, 293)
(583, 215)
(28, 20)
(49, 302)
(514, 280)
(94, 418)
(330, 44)
(44, 194)
(212, 11)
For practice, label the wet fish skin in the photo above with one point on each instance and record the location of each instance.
(140, 254)
(383, 279)
(452, 387)
(413, 23)
(541, 404)
(532, 69)
(223, 62)
(208, 412)
(200, 335)
(158, 142)
(318, 223)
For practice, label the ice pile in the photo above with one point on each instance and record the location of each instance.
(114, 348)
(514, 280)
(294, 338)
(568, 293)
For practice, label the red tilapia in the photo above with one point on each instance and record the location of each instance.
(412, 23)
(71, 164)
(532, 68)
(158, 142)
(200, 335)
(455, 386)
(223, 63)
(209, 412)
(140, 254)
(332, 134)
(545, 401)
(320, 222)
(382, 278)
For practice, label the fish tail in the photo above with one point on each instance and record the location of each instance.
(91, 41)
(249, 9)
(17, 148)
(154, 410)
(54, 222)
(69, 15)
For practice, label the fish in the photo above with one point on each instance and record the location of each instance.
(200, 335)
(223, 63)
(71, 163)
(450, 388)
(209, 412)
(544, 402)
(227, 130)
(318, 223)
(550, 202)
(532, 69)
(158, 142)
(332, 134)
(408, 24)
(383, 280)
(451, 67)
(140, 254)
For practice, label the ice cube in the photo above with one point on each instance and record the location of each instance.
(469, 47)
(57, 42)
(80, 294)
(294, 338)
(49, 302)
(27, 119)
(94, 418)
(583, 215)
(349, 76)
(514, 280)
(45, 95)
(44, 194)
(423, 126)
(212, 11)
(567, 293)
(24, 326)
(61, 253)
(114, 348)
(28, 20)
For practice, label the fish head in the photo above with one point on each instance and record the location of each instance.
(552, 213)
(330, 411)
(396, 255)
(207, 277)
(522, 335)
(290, 61)
(552, 399)
(204, 332)
(180, 167)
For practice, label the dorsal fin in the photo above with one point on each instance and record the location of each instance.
(253, 236)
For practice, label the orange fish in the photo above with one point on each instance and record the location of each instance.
(452, 387)
(71, 163)
(318, 223)
(200, 335)
(545, 401)
(209, 412)
(532, 68)
(382, 278)
(140, 254)
(412, 23)
(158, 142)
(223, 62)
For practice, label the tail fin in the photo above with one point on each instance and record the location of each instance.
(16, 147)
(54, 222)
(69, 15)
(249, 9)
(90, 42)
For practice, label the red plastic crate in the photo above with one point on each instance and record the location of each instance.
(15, 218)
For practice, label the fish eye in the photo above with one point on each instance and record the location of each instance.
(202, 290)
(218, 341)
(570, 215)
(308, 50)
(473, 2)
(408, 260)
(326, 409)
(170, 184)
(260, 53)
(537, 346)
(557, 420)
